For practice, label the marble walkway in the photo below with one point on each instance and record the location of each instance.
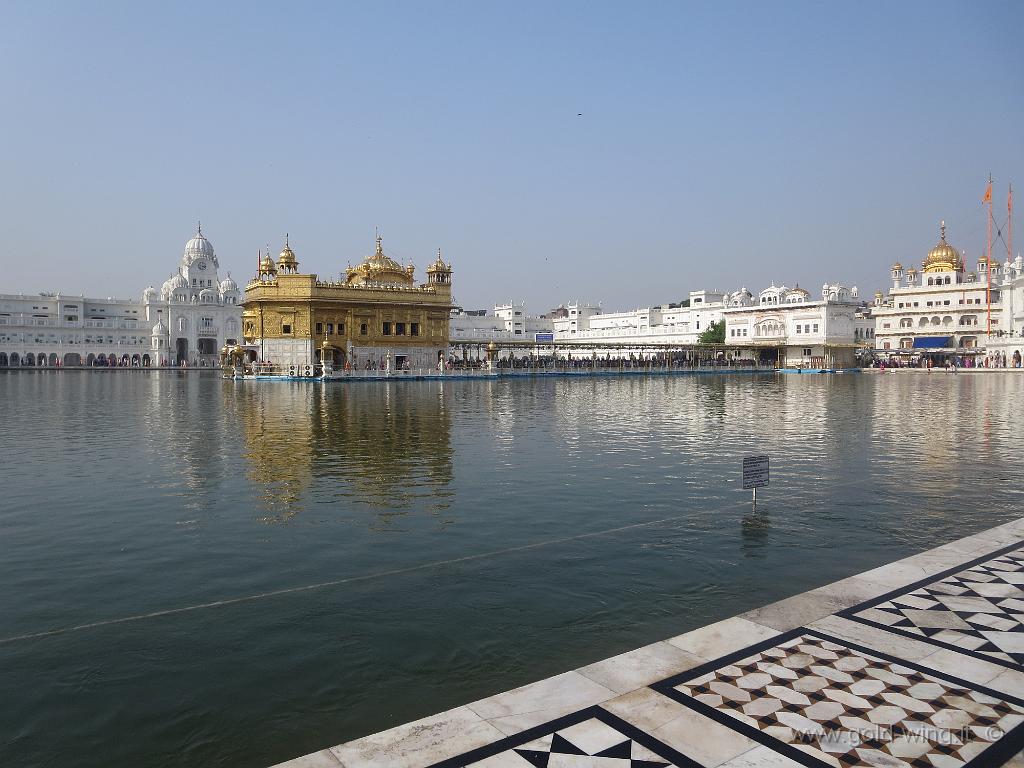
(917, 663)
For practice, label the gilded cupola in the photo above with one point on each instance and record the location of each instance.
(943, 257)
(267, 268)
(286, 261)
(379, 269)
(439, 273)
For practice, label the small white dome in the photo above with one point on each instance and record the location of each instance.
(177, 281)
(149, 294)
(227, 285)
(159, 329)
(199, 248)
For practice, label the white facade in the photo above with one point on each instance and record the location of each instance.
(195, 314)
(674, 323)
(1005, 347)
(943, 310)
(51, 330)
(508, 322)
(803, 333)
(189, 321)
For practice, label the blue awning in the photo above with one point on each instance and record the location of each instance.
(932, 342)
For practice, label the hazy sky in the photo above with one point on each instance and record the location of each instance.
(719, 144)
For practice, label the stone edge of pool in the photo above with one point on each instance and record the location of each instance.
(620, 684)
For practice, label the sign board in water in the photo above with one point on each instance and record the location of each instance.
(755, 472)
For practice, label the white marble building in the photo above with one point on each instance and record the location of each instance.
(801, 332)
(508, 322)
(943, 310)
(53, 329)
(1007, 343)
(195, 313)
(672, 323)
(189, 320)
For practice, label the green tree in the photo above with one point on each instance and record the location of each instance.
(713, 334)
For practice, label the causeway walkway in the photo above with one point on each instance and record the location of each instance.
(918, 663)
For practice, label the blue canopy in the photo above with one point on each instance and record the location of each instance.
(932, 342)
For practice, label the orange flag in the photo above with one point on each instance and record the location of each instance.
(988, 193)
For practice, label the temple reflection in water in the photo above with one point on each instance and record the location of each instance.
(382, 447)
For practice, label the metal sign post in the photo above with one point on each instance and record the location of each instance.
(755, 474)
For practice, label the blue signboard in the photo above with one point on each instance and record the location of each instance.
(544, 337)
(931, 342)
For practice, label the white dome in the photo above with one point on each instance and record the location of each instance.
(199, 248)
(228, 284)
(177, 281)
(149, 294)
(159, 329)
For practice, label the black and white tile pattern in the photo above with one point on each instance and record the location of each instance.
(824, 702)
(976, 609)
(591, 738)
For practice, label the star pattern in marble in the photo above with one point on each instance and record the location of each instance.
(978, 610)
(591, 738)
(822, 702)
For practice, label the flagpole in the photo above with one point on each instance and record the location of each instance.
(1009, 225)
(988, 255)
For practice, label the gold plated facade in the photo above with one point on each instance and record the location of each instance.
(376, 310)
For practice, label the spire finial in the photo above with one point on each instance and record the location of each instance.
(942, 230)
(200, 227)
(380, 249)
(285, 239)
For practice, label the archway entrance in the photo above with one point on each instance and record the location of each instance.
(145, 361)
(181, 351)
(3, 359)
(207, 346)
(72, 358)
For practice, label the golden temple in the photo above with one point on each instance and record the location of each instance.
(375, 314)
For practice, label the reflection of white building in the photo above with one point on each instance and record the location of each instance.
(943, 310)
(801, 332)
(195, 313)
(190, 320)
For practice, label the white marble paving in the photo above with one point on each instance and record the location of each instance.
(418, 744)
(634, 669)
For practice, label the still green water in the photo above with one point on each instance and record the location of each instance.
(404, 548)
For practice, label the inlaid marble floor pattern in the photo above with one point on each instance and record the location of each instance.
(591, 738)
(824, 702)
(978, 610)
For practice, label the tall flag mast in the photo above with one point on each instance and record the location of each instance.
(988, 253)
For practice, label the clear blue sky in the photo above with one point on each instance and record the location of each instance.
(719, 143)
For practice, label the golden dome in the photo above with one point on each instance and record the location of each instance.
(438, 264)
(286, 258)
(380, 269)
(943, 257)
(897, 266)
(267, 265)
